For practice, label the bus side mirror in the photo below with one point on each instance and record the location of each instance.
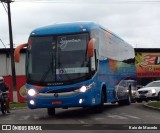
(91, 47)
(17, 51)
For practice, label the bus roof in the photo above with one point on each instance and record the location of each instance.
(70, 27)
(62, 28)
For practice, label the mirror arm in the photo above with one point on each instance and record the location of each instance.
(17, 51)
(91, 47)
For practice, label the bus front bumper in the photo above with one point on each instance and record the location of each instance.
(65, 100)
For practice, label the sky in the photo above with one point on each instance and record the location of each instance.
(135, 21)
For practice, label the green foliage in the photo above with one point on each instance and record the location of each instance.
(17, 105)
(155, 104)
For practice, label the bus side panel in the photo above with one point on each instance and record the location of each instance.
(111, 72)
(106, 76)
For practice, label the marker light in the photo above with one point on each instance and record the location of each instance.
(31, 92)
(80, 101)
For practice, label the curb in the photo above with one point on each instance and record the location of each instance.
(151, 107)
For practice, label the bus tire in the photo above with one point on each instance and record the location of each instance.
(51, 111)
(99, 108)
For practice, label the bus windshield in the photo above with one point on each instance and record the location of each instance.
(53, 59)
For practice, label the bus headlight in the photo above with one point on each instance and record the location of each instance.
(83, 89)
(31, 92)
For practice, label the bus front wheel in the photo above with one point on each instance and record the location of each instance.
(51, 111)
(99, 108)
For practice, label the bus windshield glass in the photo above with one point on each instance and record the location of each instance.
(58, 58)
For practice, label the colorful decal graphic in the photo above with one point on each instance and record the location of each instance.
(148, 64)
(112, 65)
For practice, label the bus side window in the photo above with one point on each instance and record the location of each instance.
(94, 62)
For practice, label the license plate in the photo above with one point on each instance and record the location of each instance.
(56, 102)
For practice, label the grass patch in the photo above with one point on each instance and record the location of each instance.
(17, 105)
(154, 104)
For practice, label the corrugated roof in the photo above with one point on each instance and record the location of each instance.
(7, 50)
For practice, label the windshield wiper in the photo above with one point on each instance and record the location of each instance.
(50, 68)
(64, 71)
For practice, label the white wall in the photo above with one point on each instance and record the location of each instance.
(5, 65)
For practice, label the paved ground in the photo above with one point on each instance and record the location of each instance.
(113, 114)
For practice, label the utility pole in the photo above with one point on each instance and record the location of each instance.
(11, 50)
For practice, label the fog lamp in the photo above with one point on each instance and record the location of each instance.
(32, 102)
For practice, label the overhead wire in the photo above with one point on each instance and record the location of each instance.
(3, 43)
(5, 8)
(109, 1)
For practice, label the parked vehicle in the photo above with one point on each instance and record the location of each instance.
(123, 88)
(149, 92)
(139, 87)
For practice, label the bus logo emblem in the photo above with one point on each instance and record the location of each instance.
(56, 94)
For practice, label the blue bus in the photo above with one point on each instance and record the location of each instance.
(79, 64)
